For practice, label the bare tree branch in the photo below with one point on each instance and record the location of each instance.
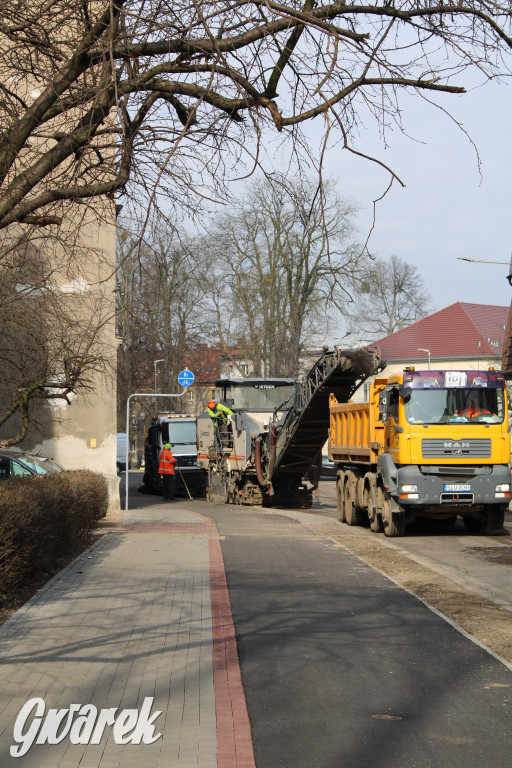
(92, 111)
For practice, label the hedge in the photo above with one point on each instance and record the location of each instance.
(44, 521)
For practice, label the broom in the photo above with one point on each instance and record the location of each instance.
(184, 483)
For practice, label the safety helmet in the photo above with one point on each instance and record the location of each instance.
(167, 446)
(212, 404)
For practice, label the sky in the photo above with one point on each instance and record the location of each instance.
(448, 208)
(457, 199)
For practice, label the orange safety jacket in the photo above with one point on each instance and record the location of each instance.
(167, 462)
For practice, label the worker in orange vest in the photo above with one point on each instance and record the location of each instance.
(166, 470)
(474, 411)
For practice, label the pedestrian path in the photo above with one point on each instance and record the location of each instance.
(140, 622)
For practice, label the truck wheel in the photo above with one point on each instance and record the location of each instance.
(393, 522)
(376, 523)
(353, 510)
(340, 501)
(494, 519)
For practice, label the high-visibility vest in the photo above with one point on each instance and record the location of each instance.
(220, 414)
(167, 462)
(471, 413)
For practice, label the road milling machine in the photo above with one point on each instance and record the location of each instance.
(268, 448)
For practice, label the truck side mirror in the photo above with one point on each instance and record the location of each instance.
(405, 392)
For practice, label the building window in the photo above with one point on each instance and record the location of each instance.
(190, 396)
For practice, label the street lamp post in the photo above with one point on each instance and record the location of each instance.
(345, 336)
(487, 261)
(155, 363)
(421, 349)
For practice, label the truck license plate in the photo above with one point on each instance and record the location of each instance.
(457, 487)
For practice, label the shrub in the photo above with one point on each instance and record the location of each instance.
(45, 520)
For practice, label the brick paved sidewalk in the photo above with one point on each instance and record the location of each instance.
(144, 613)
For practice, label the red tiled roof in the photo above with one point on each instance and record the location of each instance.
(506, 362)
(460, 330)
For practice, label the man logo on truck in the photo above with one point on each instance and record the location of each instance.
(456, 449)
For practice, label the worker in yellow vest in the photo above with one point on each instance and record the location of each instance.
(166, 470)
(218, 412)
(221, 415)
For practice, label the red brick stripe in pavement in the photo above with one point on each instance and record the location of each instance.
(234, 741)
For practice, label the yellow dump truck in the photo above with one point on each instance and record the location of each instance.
(430, 444)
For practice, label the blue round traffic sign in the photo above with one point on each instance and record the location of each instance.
(185, 378)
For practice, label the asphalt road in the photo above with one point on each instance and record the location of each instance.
(341, 667)
(482, 564)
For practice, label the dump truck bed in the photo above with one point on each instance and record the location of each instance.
(352, 432)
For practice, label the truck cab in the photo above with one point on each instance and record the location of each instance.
(179, 430)
(452, 417)
(444, 445)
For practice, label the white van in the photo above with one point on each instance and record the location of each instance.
(121, 452)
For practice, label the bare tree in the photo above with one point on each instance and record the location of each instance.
(274, 260)
(390, 295)
(151, 99)
(94, 93)
(162, 309)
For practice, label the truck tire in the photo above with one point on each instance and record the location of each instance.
(353, 511)
(494, 519)
(393, 522)
(492, 525)
(340, 501)
(361, 494)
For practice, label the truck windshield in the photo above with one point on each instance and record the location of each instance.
(460, 406)
(182, 432)
(261, 397)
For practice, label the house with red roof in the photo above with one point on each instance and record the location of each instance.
(506, 360)
(460, 337)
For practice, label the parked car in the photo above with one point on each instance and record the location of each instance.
(121, 453)
(52, 463)
(328, 469)
(17, 464)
